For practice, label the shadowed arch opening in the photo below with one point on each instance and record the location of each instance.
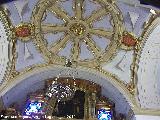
(32, 80)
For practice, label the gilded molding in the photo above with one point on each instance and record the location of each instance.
(152, 112)
(12, 46)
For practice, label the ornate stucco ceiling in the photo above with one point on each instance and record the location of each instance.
(91, 34)
(21, 11)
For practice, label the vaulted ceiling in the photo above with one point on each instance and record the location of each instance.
(115, 39)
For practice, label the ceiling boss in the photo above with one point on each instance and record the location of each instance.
(78, 29)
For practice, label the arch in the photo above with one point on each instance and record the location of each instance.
(147, 66)
(24, 82)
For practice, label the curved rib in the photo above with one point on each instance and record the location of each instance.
(101, 32)
(78, 8)
(75, 50)
(92, 46)
(56, 47)
(60, 13)
(96, 14)
(50, 28)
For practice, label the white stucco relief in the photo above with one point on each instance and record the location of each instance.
(120, 65)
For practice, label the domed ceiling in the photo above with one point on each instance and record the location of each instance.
(101, 35)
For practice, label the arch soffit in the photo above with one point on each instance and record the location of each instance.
(149, 27)
(52, 71)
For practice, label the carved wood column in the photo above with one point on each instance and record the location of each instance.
(93, 105)
(86, 106)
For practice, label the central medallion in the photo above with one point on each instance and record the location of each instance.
(78, 29)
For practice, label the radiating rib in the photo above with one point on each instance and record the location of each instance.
(75, 50)
(49, 28)
(97, 14)
(56, 47)
(102, 32)
(78, 8)
(60, 13)
(92, 46)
